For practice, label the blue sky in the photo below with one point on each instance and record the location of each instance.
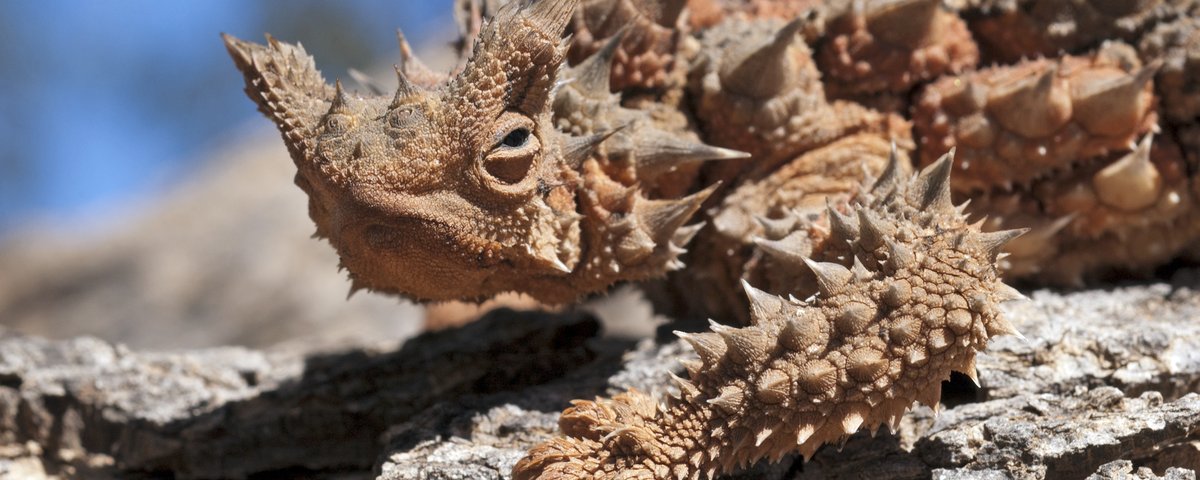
(105, 102)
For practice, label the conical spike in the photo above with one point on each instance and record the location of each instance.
(772, 387)
(933, 185)
(591, 77)
(404, 90)
(657, 150)
(763, 305)
(871, 230)
(851, 422)
(1000, 326)
(663, 217)
(341, 100)
(802, 330)
(709, 346)
(991, 242)
(961, 209)
(890, 178)
(746, 346)
(1032, 106)
(730, 399)
(762, 436)
(686, 388)
(764, 72)
(900, 256)
(578, 149)
(841, 227)
(971, 372)
(685, 234)
(805, 431)
(903, 22)
(831, 277)
(791, 250)
(1105, 105)
(776, 228)
(1132, 183)
(860, 271)
(1006, 292)
(406, 52)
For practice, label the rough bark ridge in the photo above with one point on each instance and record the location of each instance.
(1046, 409)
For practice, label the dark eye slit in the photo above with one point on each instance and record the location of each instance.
(516, 138)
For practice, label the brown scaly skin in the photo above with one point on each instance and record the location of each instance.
(1015, 124)
(1139, 207)
(647, 55)
(422, 195)
(768, 214)
(519, 172)
(758, 90)
(1009, 30)
(891, 45)
(706, 13)
(1049, 144)
(912, 298)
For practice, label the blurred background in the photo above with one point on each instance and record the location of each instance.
(107, 102)
(144, 200)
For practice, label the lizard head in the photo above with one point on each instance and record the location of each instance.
(458, 190)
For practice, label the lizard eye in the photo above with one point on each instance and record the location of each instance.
(511, 159)
(516, 138)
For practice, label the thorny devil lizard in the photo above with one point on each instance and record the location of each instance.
(577, 139)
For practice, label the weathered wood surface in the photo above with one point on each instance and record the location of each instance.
(1104, 384)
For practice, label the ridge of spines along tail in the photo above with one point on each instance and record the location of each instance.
(916, 299)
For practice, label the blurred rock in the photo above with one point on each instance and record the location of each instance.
(224, 259)
(84, 408)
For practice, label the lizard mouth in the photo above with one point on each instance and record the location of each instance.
(415, 257)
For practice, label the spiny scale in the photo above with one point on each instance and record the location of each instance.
(774, 387)
(569, 208)
(559, 181)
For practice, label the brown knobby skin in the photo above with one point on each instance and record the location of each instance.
(891, 45)
(757, 89)
(578, 144)
(1065, 146)
(466, 189)
(913, 297)
(647, 54)
(1011, 30)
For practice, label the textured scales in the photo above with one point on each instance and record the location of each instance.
(467, 189)
(891, 45)
(758, 90)
(913, 298)
(575, 140)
